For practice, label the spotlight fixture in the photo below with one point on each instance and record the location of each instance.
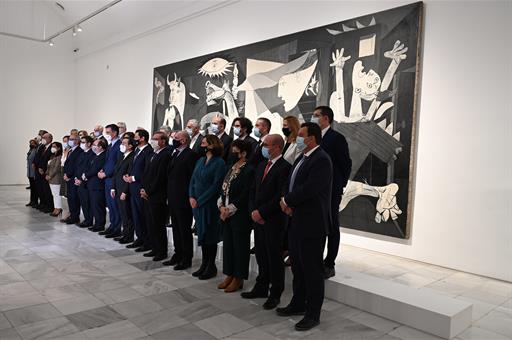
(74, 31)
(78, 28)
(51, 43)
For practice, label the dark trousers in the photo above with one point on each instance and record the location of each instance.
(113, 209)
(333, 239)
(47, 195)
(308, 277)
(126, 216)
(139, 217)
(181, 219)
(156, 216)
(73, 200)
(235, 249)
(97, 203)
(83, 195)
(38, 179)
(33, 190)
(268, 240)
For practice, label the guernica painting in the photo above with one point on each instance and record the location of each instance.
(366, 69)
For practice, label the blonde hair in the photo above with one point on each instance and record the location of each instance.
(294, 126)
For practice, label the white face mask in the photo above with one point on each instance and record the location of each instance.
(43, 141)
(122, 148)
(108, 138)
(154, 145)
(189, 131)
(97, 133)
(95, 149)
(83, 146)
(53, 150)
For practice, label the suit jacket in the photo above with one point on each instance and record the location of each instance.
(266, 193)
(239, 196)
(83, 164)
(197, 145)
(54, 171)
(336, 147)
(96, 163)
(179, 172)
(112, 156)
(226, 142)
(72, 161)
(231, 159)
(154, 180)
(121, 169)
(45, 157)
(310, 197)
(138, 164)
(39, 153)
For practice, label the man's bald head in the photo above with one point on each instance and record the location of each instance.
(275, 145)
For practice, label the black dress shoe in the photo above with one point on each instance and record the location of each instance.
(105, 232)
(289, 311)
(150, 254)
(173, 261)
(142, 249)
(306, 324)
(49, 211)
(271, 303)
(113, 235)
(254, 294)
(96, 229)
(125, 240)
(328, 272)
(182, 266)
(70, 221)
(29, 204)
(159, 258)
(132, 245)
(85, 225)
(118, 238)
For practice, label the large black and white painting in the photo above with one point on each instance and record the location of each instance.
(365, 68)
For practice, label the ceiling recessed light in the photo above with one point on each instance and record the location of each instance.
(78, 28)
(51, 43)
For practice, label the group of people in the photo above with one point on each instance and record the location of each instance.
(285, 190)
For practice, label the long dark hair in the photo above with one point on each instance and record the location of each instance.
(59, 150)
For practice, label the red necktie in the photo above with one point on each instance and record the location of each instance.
(266, 170)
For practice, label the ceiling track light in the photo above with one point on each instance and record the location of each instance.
(51, 42)
(74, 31)
(78, 28)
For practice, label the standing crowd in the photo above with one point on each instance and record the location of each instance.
(285, 190)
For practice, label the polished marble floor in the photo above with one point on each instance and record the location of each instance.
(62, 282)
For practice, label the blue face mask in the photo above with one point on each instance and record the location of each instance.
(257, 132)
(315, 120)
(214, 128)
(189, 131)
(71, 143)
(301, 146)
(265, 152)
(236, 131)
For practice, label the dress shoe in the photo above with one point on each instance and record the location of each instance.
(96, 229)
(159, 258)
(173, 261)
(306, 324)
(328, 272)
(133, 245)
(254, 294)
(235, 285)
(142, 249)
(70, 221)
(125, 240)
(84, 225)
(105, 232)
(113, 235)
(48, 211)
(209, 272)
(183, 266)
(29, 204)
(289, 311)
(200, 271)
(271, 303)
(150, 254)
(118, 238)
(224, 284)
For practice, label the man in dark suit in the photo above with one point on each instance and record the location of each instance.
(335, 144)
(96, 185)
(179, 172)
(307, 200)
(113, 154)
(121, 191)
(46, 193)
(141, 156)
(242, 128)
(195, 136)
(38, 178)
(269, 221)
(261, 130)
(154, 193)
(70, 166)
(82, 167)
(218, 127)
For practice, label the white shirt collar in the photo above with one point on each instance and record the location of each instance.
(324, 131)
(142, 147)
(307, 154)
(126, 154)
(273, 160)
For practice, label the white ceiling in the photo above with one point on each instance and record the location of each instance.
(128, 18)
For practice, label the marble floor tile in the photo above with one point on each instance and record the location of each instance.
(196, 311)
(118, 295)
(414, 280)
(9, 334)
(75, 305)
(480, 309)
(102, 284)
(93, 318)
(47, 329)
(408, 333)
(152, 287)
(223, 325)
(20, 301)
(32, 314)
(10, 278)
(174, 298)
(124, 330)
(64, 292)
(476, 333)
(51, 282)
(16, 288)
(120, 252)
(498, 321)
(374, 321)
(158, 321)
(133, 308)
(148, 265)
(188, 331)
(4, 323)
(485, 295)
(252, 333)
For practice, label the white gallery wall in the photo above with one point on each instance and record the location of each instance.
(36, 91)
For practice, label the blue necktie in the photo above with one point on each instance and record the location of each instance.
(294, 173)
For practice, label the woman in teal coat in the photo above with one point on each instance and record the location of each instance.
(204, 190)
(235, 218)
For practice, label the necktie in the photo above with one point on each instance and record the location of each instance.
(294, 173)
(137, 151)
(269, 164)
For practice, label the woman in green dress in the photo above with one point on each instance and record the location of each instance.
(235, 218)
(204, 190)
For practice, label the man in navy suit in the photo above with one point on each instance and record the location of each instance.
(107, 173)
(96, 185)
(82, 167)
(70, 166)
(335, 144)
(134, 177)
(307, 200)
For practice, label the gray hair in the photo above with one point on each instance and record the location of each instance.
(194, 122)
(185, 134)
(121, 124)
(167, 128)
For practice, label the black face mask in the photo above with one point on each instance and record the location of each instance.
(286, 132)
(176, 143)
